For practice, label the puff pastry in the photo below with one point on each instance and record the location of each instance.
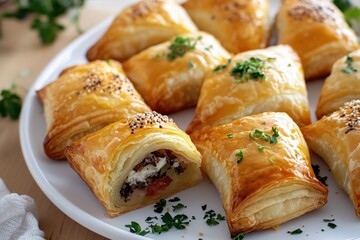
(336, 138)
(133, 163)
(137, 27)
(343, 85)
(169, 81)
(318, 33)
(240, 25)
(84, 99)
(256, 81)
(264, 180)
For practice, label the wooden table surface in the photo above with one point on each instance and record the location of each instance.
(21, 51)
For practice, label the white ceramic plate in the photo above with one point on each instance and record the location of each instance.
(70, 194)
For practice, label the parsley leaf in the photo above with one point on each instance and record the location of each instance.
(178, 206)
(249, 69)
(349, 67)
(203, 207)
(316, 169)
(175, 199)
(45, 13)
(159, 206)
(296, 231)
(332, 225)
(150, 219)
(10, 104)
(178, 221)
(240, 236)
(180, 46)
(212, 218)
(259, 134)
(239, 155)
(329, 220)
(136, 228)
(351, 14)
(230, 135)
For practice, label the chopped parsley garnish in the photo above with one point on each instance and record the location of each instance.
(159, 206)
(240, 236)
(261, 148)
(329, 220)
(222, 67)
(239, 156)
(136, 228)
(212, 218)
(159, 55)
(332, 225)
(208, 48)
(150, 219)
(230, 135)
(258, 134)
(178, 221)
(178, 206)
(191, 65)
(349, 67)
(181, 45)
(10, 103)
(272, 162)
(270, 59)
(175, 199)
(250, 69)
(316, 169)
(297, 231)
(203, 207)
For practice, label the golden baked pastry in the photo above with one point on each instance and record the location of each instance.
(261, 167)
(336, 138)
(137, 27)
(169, 75)
(240, 25)
(317, 31)
(343, 85)
(84, 99)
(255, 81)
(133, 163)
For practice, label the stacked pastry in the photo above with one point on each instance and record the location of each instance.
(250, 103)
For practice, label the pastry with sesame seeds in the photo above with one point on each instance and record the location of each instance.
(136, 162)
(336, 138)
(317, 31)
(84, 99)
(139, 26)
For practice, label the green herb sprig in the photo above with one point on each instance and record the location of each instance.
(10, 103)
(295, 232)
(136, 228)
(46, 14)
(213, 218)
(181, 45)
(351, 14)
(222, 67)
(259, 134)
(249, 69)
(240, 236)
(349, 66)
(316, 169)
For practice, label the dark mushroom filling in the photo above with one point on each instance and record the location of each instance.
(151, 173)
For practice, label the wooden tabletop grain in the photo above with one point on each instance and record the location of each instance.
(21, 52)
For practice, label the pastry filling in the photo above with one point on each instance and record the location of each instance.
(151, 174)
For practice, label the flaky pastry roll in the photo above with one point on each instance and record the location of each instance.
(169, 75)
(317, 31)
(137, 27)
(240, 25)
(255, 81)
(343, 85)
(336, 138)
(84, 99)
(260, 165)
(133, 163)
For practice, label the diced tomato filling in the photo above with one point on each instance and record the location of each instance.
(158, 185)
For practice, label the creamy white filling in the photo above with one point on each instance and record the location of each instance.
(147, 171)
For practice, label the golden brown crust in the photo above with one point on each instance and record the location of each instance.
(336, 138)
(318, 33)
(343, 84)
(105, 158)
(223, 98)
(169, 85)
(83, 99)
(137, 27)
(240, 25)
(271, 182)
